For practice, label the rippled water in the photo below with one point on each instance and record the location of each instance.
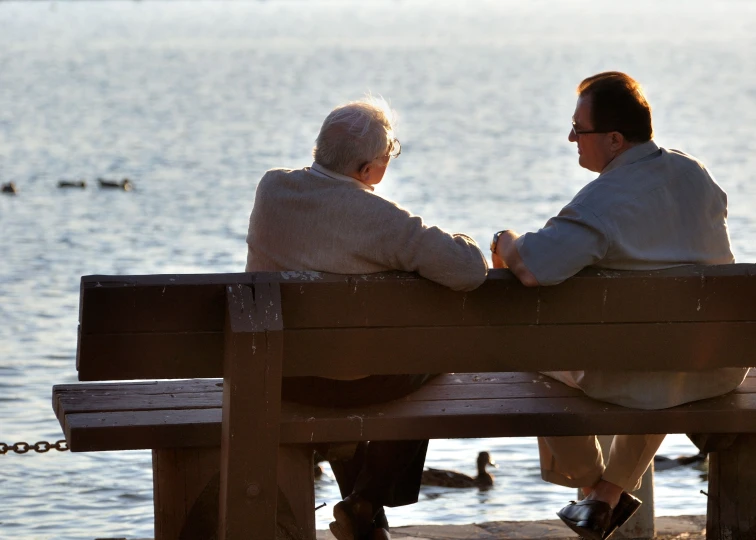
(194, 101)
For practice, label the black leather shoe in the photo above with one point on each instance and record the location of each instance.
(589, 518)
(626, 507)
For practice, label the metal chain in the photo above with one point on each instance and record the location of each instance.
(41, 447)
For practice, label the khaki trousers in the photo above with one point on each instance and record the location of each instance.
(578, 462)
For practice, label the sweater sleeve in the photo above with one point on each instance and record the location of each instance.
(404, 242)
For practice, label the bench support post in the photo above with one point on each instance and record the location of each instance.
(186, 491)
(731, 511)
(252, 368)
(180, 476)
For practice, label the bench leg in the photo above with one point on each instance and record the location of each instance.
(297, 483)
(181, 477)
(731, 511)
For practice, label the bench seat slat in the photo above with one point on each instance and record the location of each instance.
(108, 401)
(204, 394)
(166, 428)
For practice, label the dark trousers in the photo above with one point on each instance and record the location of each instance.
(385, 473)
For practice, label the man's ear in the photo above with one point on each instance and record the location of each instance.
(364, 172)
(617, 140)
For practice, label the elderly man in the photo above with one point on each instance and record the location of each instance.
(649, 208)
(327, 218)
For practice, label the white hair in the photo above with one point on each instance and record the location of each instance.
(354, 134)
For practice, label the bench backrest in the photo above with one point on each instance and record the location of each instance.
(172, 326)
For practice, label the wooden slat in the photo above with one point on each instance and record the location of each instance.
(79, 402)
(150, 356)
(670, 346)
(355, 352)
(194, 303)
(732, 413)
(209, 385)
(75, 399)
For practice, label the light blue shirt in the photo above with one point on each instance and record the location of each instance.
(649, 209)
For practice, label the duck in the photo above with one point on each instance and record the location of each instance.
(72, 184)
(454, 479)
(9, 188)
(663, 463)
(124, 184)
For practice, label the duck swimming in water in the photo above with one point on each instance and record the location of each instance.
(9, 188)
(663, 463)
(124, 184)
(453, 479)
(72, 184)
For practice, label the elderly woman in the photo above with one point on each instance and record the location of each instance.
(328, 218)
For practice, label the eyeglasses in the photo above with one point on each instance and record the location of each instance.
(395, 149)
(577, 132)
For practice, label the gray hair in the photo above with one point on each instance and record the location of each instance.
(354, 134)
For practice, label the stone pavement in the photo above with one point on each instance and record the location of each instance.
(667, 528)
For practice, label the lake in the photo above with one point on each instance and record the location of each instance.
(193, 101)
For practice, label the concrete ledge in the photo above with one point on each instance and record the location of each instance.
(667, 528)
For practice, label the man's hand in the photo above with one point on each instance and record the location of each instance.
(506, 256)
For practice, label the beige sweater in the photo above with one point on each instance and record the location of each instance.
(306, 220)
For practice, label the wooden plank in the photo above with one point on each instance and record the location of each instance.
(150, 356)
(79, 402)
(74, 402)
(194, 303)
(671, 346)
(124, 430)
(251, 412)
(361, 351)
(134, 430)
(98, 389)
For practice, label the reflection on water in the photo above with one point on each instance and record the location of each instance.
(194, 101)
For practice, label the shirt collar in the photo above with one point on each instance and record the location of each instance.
(636, 153)
(319, 170)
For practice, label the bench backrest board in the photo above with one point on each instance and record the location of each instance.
(172, 326)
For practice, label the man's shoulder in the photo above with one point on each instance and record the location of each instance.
(272, 174)
(683, 160)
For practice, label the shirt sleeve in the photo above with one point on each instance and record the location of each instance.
(569, 242)
(402, 241)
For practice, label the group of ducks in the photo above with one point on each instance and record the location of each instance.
(124, 185)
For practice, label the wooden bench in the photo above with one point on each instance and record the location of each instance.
(253, 329)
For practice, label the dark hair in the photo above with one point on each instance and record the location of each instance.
(618, 104)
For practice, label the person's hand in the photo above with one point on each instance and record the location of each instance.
(497, 261)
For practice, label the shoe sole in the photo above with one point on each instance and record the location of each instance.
(583, 531)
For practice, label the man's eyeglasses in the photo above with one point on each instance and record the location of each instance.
(395, 149)
(576, 131)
